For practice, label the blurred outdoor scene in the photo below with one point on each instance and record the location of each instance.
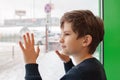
(41, 17)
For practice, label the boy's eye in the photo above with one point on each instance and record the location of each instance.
(66, 34)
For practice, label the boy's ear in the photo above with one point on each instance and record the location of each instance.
(87, 40)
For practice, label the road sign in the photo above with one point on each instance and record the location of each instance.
(48, 8)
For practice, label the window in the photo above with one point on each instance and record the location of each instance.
(20, 16)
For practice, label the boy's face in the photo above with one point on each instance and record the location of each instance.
(69, 42)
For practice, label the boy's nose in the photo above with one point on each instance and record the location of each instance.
(61, 40)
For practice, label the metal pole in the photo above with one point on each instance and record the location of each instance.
(102, 43)
(13, 52)
(46, 32)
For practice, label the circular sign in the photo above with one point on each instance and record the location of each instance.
(48, 8)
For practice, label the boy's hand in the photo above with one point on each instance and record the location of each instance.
(63, 57)
(29, 52)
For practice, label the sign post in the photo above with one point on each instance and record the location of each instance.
(48, 12)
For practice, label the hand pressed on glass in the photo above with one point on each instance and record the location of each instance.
(29, 51)
(63, 57)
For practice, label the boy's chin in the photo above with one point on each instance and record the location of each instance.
(65, 52)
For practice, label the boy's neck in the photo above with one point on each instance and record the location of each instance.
(81, 57)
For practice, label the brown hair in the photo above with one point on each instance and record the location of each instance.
(84, 22)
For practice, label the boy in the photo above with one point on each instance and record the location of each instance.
(81, 32)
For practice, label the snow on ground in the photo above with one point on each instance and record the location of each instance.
(12, 64)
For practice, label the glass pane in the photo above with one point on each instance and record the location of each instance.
(40, 17)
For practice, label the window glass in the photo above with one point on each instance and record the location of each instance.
(40, 17)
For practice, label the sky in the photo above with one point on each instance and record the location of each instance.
(35, 8)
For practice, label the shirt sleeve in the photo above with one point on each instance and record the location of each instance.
(32, 72)
(68, 65)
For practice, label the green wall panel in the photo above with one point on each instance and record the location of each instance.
(112, 39)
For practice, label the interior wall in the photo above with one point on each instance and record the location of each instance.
(112, 39)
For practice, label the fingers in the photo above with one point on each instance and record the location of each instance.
(63, 57)
(38, 50)
(32, 41)
(28, 37)
(21, 45)
(58, 53)
(25, 40)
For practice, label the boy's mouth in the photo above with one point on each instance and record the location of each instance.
(63, 46)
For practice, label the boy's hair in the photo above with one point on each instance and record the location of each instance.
(83, 23)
